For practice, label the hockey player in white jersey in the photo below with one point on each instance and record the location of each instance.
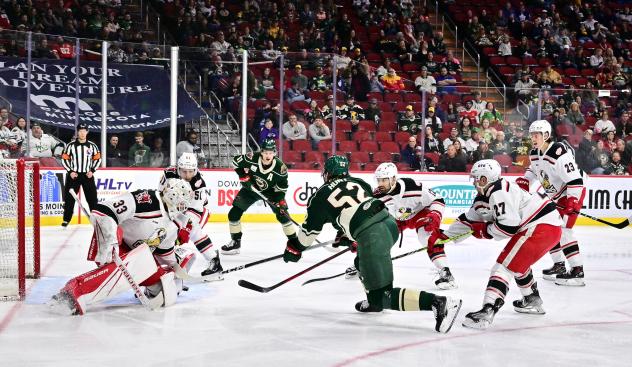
(197, 214)
(134, 226)
(530, 222)
(418, 208)
(553, 167)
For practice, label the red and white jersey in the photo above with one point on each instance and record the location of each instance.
(142, 218)
(409, 197)
(556, 171)
(198, 185)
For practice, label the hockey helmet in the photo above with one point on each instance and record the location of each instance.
(386, 170)
(269, 145)
(187, 161)
(487, 168)
(541, 126)
(177, 196)
(336, 166)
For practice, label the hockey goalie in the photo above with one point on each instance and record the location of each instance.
(140, 227)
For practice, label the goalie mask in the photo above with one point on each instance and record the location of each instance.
(187, 166)
(386, 177)
(484, 173)
(177, 196)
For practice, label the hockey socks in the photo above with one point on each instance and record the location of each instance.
(406, 299)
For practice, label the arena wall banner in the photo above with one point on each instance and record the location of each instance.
(138, 95)
(607, 196)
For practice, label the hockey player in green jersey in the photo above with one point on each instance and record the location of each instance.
(365, 224)
(266, 173)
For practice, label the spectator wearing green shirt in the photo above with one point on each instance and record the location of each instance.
(139, 152)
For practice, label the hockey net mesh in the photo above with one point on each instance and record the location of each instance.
(9, 228)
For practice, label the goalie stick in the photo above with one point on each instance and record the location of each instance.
(257, 288)
(152, 304)
(182, 274)
(440, 242)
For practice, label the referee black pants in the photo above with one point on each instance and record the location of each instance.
(89, 191)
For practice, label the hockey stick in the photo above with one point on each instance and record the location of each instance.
(182, 274)
(621, 225)
(152, 304)
(257, 288)
(439, 242)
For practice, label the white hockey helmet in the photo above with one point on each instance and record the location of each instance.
(177, 196)
(386, 170)
(187, 161)
(488, 168)
(541, 126)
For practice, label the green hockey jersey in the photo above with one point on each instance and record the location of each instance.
(347, 203)
(271, 181)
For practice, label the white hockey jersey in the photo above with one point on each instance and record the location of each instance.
(556, 171)
(409, 197)
(142, 218)
(509, 210)
(198, 185)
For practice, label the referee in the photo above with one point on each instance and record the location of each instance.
(80, 158)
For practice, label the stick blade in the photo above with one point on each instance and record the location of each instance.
(251, 286)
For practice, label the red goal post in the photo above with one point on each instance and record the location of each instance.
(19, 226)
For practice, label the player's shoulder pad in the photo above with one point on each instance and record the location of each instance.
(410, 184)
(171, 172)
(281, 167)
(197, 182)
(495, 187)
(556, 150)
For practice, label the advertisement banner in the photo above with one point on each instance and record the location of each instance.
(138, 95)
(607, 197)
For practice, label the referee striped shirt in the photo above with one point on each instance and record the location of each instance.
(81, 157)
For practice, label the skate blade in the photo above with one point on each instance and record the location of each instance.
(453, 311)
(351, 276)
(230, 252)
(214, 279)
(530, 310)
(444, 286)
(549, 277)
(577, 282)
(471, 324)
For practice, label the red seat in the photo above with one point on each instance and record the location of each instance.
(304, 165)
(392, 97)
(355, 166)
(388, 116)
(515, 169)
(383, 136)
(412, 97)
(292, 156)
(367, 125)
(324, 146)
(343, 125)
(368, 146)
(381, 157)
(376, 95)
(347, 146)
(314, 157)
(401, 137)
(362, 136)
(360, 157)
(503, 159)
(497, 60)
(434, 157)
(342, 135)
(301, 145)
(371, 167)
(299, 106)
(386, 126)
(571, 72)
(390, 147)
(514, 61)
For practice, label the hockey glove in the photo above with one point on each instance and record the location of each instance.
(523, 183)
(245, 182)
(184, 233)
(293, 250)
(479, 230)
(571, 206)
(433, 221)
(342, 240)
(281, 207)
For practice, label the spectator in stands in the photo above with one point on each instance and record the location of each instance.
(452, 114)
(610, 141)
(478, 103)
(268, 131)
(499, 145)
(434, 102)
(404, 54)
(549, 78)
(407, 154)
(525, 88)
(624, 128)
(454, 136)
(470, 112)
(451, 63)
(5, 120)
(523, 49)
(482, 40)
(437, 45)
(409, 121)
(300, 80)
(488, 133)
(566, 59)
(313, 112)
(445, 82)
(482, 152)
(373, 111)
(504, 46)
(616, 167)
(431, 143)
(585, 158)
(318, 131)
(158, 157)
(190, 145)
(139, 152)
(19, 135)
(425, 82)
(451, 162)
(350, 110)
(604, 125)
(465, 128)
(625, 150)
(492, 114)
(433, 120)
(41, 145)
(294, 94)
(602, 157)
(320, 81)
(574, 115)
(294, 129)
(392, 82)
(431, 64)
(115, 156)
(267, 80)
(43, 51)
(419, 158)
(472, 143)
(596, 60)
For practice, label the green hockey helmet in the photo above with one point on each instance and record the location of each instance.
(269, 145)
(336, 166)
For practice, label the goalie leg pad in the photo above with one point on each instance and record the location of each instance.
(107, 281)
(166, 288)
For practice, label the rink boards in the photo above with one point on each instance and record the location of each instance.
(608, 197)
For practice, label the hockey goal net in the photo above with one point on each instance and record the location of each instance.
(19, 226)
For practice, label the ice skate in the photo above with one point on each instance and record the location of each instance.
(574, 278)
(232, 248)
(445, 280)
(215, 267)
(483, 318)
(351, 273)
(365, 306)
(445, 310)
(553, 271)
(530, 304)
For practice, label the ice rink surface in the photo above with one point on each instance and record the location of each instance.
(221, 324)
